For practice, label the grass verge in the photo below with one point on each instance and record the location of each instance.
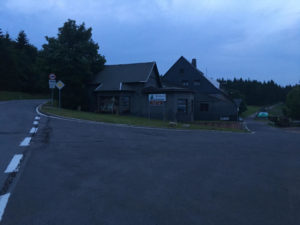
(276, 110)
(8, 95)
(251, 109)
(129, 120)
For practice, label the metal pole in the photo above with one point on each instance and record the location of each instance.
(52, 94)
(59, 99)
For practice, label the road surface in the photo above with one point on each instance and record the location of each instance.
(16, 121)
(85, 173)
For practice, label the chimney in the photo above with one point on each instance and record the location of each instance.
(194, 63)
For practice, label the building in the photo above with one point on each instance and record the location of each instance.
(210, 102)
(136, 89)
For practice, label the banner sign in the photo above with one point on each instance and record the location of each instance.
(157, 99)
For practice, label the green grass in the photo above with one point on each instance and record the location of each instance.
(129, 120)
(8, 95)
(276, 110)
(251, 109)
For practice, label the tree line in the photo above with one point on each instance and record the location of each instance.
(73, 56)
(254, 92)
(18, 64)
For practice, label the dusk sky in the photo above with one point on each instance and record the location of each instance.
(256, 39)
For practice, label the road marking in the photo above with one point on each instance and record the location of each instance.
(13, 166)
(25, 142)
(3, 203)
(33, 130)
(35, 122)
(37, 118)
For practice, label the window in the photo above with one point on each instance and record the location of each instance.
(181, 70)
(203, 107)
(182, 105)
(185, 83)
(196, 82)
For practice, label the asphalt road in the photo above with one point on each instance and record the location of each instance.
(16, 118)
(83, 173)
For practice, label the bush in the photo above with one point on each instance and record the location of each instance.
(293, 103)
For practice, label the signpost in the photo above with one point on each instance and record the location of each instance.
(157, 100)
(52, 83)
(60, 86)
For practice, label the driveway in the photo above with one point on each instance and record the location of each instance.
(85, 173)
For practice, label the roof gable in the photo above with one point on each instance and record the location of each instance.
(112, 76)
(184, 70)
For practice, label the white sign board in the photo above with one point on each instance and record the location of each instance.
(157, 97)
(60, 85)
(52, 84)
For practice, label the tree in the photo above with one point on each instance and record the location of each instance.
(17, 64)
(255, 92)
(293, 103)
(73, 56)
(22, 40)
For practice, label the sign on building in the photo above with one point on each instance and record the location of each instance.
(157, 99)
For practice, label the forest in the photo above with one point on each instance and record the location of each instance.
(73, 56)
(254, 92)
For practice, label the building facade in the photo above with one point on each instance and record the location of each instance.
(210, 103)
(126, 89)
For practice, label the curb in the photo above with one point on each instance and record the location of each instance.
(48, 115)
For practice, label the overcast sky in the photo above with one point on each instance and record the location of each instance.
(256, 39)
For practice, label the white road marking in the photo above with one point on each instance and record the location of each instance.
(3, 203)
(25, 142)
(35, 122)
(13, 166)
(33, 130)
(37, 118)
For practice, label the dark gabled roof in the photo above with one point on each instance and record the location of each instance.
(164, 89)
(213, 82)
(112, 76)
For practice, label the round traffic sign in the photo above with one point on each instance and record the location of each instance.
(52, 76)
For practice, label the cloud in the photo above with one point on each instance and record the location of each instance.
(227, 35)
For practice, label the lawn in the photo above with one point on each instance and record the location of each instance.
(8, 95)
(130, 120)
(251, 109)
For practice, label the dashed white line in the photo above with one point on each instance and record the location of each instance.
(35, 122)
(25, 142)
(33, 130)
(37, 118)
(13, 166)
(3, 203)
